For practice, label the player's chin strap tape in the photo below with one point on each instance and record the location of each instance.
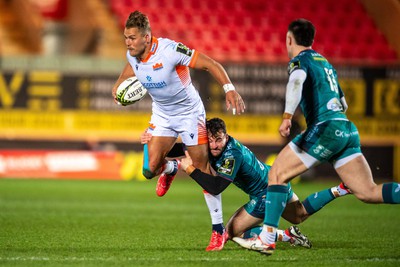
(228, 87)
(212, 184)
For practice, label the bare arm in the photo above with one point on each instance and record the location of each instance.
(212, 184)
(233, 99)
(125, 74)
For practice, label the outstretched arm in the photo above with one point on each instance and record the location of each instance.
(212, 184)
(233, 99)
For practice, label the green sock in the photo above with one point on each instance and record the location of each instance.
(391, 193)
(252, 232)
(275, 204)
(317, 201)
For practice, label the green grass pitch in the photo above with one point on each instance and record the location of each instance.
(109, 223)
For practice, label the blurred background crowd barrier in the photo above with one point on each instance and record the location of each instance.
(60, 59)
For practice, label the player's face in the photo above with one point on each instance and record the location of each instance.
(135, 42)
(217, 143)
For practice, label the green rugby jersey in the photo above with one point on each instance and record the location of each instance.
(239, 165)
(320, 100)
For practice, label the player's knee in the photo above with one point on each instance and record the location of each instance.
(276, 177)
(147, 173)
(272, 177)
(229, 230)
(297, 218)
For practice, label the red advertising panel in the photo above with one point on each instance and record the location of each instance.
(60, 164)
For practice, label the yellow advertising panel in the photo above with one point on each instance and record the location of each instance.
(82, 125)
(355, 94)
(387, 98)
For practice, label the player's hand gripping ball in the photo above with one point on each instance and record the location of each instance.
(130, 91)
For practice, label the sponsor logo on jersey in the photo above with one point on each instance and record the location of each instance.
(334, 104)
(343, 134)
(151, 126)
(158, 66)
(322, 151)
(227, 167)
(153, 85)
(181, 48)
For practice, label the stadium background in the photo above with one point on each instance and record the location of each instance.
(60, 58)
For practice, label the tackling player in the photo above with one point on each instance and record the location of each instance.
(329, 137)
(162, 66)
(233, 162)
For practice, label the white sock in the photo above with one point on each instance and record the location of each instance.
(268, 234)
(337, 191)
(169, 167)
(282, 236)
(214, 204)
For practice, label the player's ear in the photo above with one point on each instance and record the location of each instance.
(147, 36)
(289, 39)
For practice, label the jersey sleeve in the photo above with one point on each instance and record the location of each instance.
(182, 55)
(294, 64)
(297, 63)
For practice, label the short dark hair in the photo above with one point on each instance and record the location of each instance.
(138, 20)
(303, 31)
(215, 125)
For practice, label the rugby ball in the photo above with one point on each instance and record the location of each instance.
(130, 91)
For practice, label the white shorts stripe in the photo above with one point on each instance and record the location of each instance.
(341, 162)
(308, 160)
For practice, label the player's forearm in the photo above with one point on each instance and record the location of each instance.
(216, 70)
(220, 75)
(212, 184)
(125, 74)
